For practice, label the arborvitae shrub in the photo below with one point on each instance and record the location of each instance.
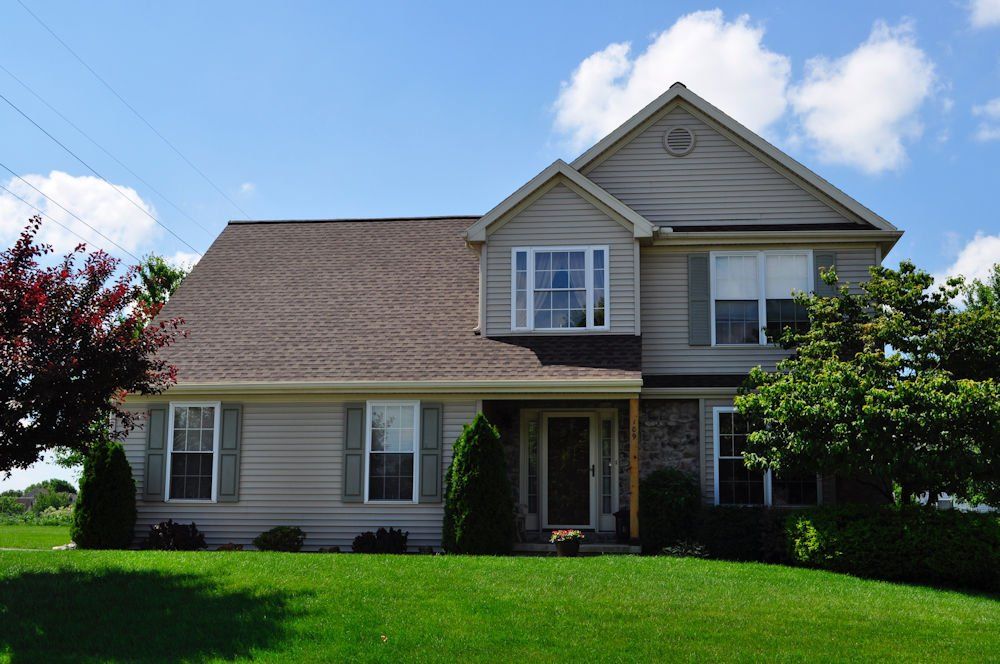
(478, 508)
(668, 506)
(104, 514)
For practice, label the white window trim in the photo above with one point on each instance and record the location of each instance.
(761, 257)
(530, 294)
(215, 449)
(416, 449)
(716, 411)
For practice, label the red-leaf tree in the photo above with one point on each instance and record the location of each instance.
(74, 340)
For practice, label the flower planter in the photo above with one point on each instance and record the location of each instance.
(568, 548)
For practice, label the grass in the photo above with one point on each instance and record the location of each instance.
(153, 606)
(21, 536)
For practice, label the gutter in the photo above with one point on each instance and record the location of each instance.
(518, 387)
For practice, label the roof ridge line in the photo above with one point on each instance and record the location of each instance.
(350, 219)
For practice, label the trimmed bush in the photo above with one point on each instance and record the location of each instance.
(381, 541)
(170, 536)
(104, 513)
(478, 508)
(749, 534)
(669, 500)
(900, 543)
(281, 538)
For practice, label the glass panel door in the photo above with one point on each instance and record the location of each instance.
(568, 470)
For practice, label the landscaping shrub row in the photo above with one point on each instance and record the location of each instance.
(896, 543)
(911, 543)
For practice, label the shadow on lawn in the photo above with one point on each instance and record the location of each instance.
(138, 616)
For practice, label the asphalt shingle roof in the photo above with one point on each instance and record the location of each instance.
(361, 300)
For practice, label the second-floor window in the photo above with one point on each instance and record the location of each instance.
(752, 294)
(560, 288)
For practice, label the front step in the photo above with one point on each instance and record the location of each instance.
(595, 549)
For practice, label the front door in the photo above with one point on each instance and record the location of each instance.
(568, 469)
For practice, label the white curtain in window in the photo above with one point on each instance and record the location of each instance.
(736, 278)
(785, 273)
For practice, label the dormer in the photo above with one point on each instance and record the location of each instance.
(559, 256)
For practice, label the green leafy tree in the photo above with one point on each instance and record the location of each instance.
(478, 508)
(47, 498)
(104, 514)
(159, 279)
(55, 485)
(882, 386)
(10, 507)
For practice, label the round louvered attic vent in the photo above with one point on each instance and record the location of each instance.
(678, 141)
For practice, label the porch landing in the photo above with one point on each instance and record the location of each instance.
(591, 549)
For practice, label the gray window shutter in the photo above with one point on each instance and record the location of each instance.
(699, 307)
(431, 448)
(354, 453)
(824, 260)
(230, 439)
(156, 453)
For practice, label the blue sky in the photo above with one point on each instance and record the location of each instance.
(311, 110)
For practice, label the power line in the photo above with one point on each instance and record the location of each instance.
(134, 111)
(104, 150)
(60, 205)
(59, 223)
(94, 171)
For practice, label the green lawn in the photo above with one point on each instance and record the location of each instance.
(33, 537)
(152, 606)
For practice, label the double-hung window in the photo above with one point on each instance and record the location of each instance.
(752, 294)
(735, 484)
(193, 441)
(392, 439)
(560, 288)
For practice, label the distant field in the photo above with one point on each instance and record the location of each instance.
(33, 537)
(149, 606)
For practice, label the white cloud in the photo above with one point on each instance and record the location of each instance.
(184, 259)
(861, 108)
(89, 198)
(989, 123)
(984, 13)
(724, 62)
(248, 188)
(975, 259)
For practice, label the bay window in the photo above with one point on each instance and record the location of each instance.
(559, 288)
(391, 443)
(752, 294)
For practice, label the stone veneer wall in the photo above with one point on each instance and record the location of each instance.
(668, 438)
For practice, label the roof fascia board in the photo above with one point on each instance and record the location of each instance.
(641, 227)
(643, 117)
(580, 386)
(666, 237)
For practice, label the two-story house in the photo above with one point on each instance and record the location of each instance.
(602, 316)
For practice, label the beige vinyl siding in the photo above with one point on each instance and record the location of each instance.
(290, 474)
(718, 181)
(665, 348)
(560, 217)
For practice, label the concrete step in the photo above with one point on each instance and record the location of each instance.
(594, 549)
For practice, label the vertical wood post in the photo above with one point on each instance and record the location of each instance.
(633, 468)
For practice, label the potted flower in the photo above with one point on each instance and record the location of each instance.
(567, 542)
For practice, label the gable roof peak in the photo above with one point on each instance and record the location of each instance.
(765, 150)
(641, 227)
